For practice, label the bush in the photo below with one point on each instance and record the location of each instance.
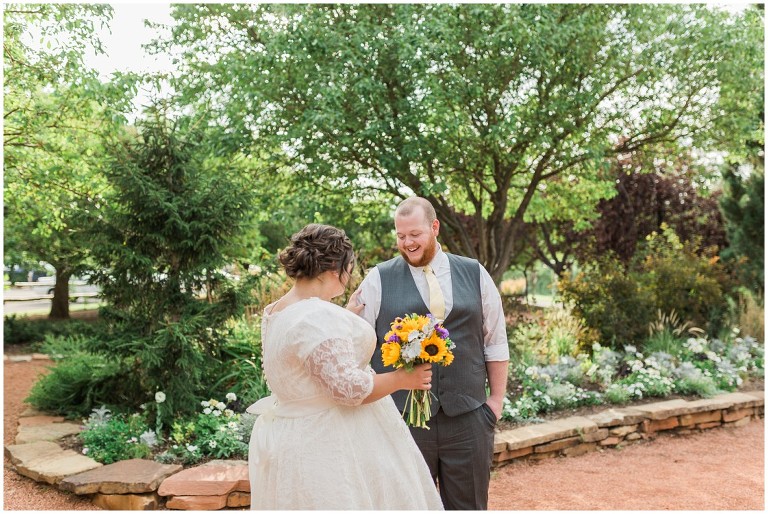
(24, 331)
(619, 301)
(240, 370)
(697, 385)
(664, 341)
(617, 394)
(217, 431)
(78, 384)
(108, 438)
(684, 279)
(556, 335)
(609, 300)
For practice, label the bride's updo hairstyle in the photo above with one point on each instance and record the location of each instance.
(317, 248)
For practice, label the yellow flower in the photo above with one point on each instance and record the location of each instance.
(390, 353)
(388, 335)
(433, 349)
(406, 326)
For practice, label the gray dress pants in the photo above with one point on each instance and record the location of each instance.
(459, 452)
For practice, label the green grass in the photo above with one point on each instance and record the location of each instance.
(73, 307)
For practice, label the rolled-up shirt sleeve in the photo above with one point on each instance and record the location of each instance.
(494, 326)
(370, 295)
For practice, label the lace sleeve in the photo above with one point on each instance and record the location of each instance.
(332, 365)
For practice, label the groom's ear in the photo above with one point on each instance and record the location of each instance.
(436, 227)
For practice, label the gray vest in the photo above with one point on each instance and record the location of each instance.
(457, 388)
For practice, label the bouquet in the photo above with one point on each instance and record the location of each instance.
(415, 340)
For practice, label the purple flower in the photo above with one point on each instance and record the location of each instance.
(393, 339)
(441, 332)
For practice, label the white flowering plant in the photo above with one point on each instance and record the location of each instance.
(109, 438)
(217, 431)
(695, 366)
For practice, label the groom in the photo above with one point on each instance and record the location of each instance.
(458, 447)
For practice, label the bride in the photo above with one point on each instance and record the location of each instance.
(330, 436)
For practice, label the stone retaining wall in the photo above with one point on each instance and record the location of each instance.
(621, 426)
(139, 484)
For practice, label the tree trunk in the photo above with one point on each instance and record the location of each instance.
(60, 302)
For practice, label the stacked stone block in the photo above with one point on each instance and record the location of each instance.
(620, 426)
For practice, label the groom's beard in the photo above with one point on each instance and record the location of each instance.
(426, 257)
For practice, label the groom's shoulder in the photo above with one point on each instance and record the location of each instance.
(460, 259)
(391, 263)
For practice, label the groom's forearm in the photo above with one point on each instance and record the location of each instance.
(497, 383)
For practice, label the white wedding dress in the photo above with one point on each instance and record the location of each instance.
(314, 445)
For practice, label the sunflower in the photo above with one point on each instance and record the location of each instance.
(434, 349)
(406, 325)
(390, 353)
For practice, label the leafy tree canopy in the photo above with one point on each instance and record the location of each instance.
(57, 118)
(496, 113)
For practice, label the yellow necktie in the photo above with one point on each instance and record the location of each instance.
(436, 300)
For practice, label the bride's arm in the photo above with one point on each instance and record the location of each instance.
(387, 383)
(333, 367)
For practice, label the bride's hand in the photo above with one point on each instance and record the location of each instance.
(354, 304)
(418, 378)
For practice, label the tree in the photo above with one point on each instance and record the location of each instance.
(178, 202)
(479, 108)
(647, 195)
(743, 206)
(57, 117)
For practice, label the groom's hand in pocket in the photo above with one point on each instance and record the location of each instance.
(496, 405)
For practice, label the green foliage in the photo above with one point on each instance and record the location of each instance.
(617, 394)
(743, 206)
(22, 331)
(651, 188)
(216, 432)
(697, 366)
(697, 385)
(620, 300)
(240, 370)
(664, 341)
(58, 117)
(610, 300)
(288, 201)
(557, 334)
(176, 204)
(80, 383)
(498, 113)
(750, 315)
(109, 439)
(684, 280)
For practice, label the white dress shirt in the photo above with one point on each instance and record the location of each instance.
(494, 326)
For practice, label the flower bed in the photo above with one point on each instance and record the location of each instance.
(701, 368)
